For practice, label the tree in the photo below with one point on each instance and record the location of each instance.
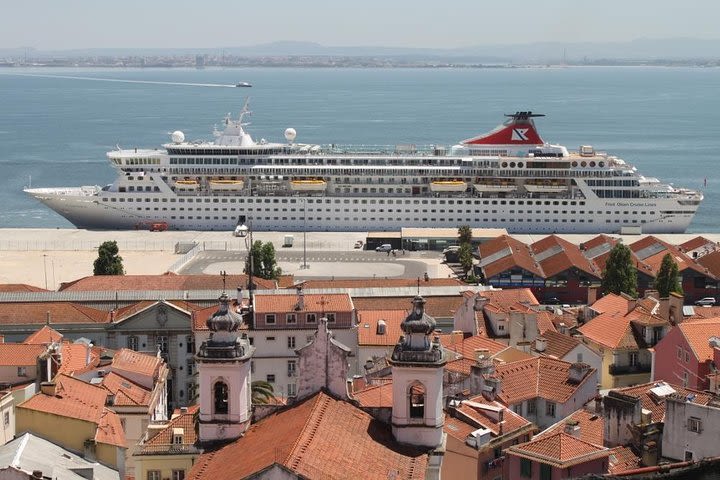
(666, 281)
(108, 261)
(262, 392)
(465, 257)
(263, 261)
(465, 234)
(620, 275)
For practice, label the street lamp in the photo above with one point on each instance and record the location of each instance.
(243, 231)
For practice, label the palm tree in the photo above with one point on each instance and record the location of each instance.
(262, 392)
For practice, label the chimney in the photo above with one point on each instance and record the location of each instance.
(501, 422)
(47, 317)
(562, 328)
(631, 301)
(300, 305)
(715, 345)
(592, 295)
(2, 338)
(492, 388)
(112, 315)
(540, 344)
(577, 372)
(89, 450)
(480, 302)
(381, 327)
(239, 296)
(481, 354)
(37, 474)
(572, 427)
(48, 388)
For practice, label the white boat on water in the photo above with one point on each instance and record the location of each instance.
(519, 182)
(243, 84)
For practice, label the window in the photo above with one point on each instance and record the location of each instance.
(270, 378)
(291, 368)
(270, 318)
(550, 409)
(190, 366)
(269, 339)
(190, 343)
(687, 356)
(633, 359)
(545, 472)
(162, 343)
(21, 372)
(694, 425)
(177, 439)
(153, 475)
(221, 398)
(416, 394)
(291, 342)
(679, 353)
(290, 318)
(525, 468)
(178, 475)
(532, 406)
(292, 390)
(310, 318)
(6, 418)
(132, 342)
(688, 456)
(330, 317)
(579, 357)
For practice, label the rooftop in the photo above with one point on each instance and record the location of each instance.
(560, 450)
(167, 281)
(20, 354)
(656, 404)
(698, 334)
(45, 335)
(591, 427)
(331, 302)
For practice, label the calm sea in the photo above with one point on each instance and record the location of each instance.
(54, 130)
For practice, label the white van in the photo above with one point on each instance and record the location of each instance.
(385, 247)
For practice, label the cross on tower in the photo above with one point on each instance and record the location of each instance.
(322, 303)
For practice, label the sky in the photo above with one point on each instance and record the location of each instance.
(69, 24)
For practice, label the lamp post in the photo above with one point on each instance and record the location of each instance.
(246, 232)
(45, 269)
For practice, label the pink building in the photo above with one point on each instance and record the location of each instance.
(685, 355)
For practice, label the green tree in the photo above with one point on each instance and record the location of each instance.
(262, 392)
(108, 261)
(465, 257)
(264, 264)
(465, 234)
(620, 275)
(666, 281)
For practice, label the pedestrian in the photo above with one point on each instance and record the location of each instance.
(393, 252)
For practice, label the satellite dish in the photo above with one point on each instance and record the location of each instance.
(290, 134)
(177, 136)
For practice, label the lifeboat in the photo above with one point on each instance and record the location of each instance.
(545, 186)
(494, 185)
(308, 185)
(226, 185)
(448, 186)
(186, 185)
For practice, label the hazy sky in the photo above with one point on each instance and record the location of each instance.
(65, 24)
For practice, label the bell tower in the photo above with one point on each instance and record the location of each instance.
(417, 372)
(223, 363)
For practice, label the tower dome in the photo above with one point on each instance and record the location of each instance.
(418, 321)
(224, 320)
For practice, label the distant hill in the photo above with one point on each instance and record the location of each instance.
(543, 52)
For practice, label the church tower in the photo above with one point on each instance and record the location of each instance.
(223, 363)
(417, 372)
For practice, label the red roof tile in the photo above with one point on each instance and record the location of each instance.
(610, 330)
(330, 302)
(163, 442)
(486, 414)
(24, 313)
(698, 242)
(130, 361)
(380, 283)
(75, 357)
(20, 354)
(623, 459)
(127, 393)
(567, 255)
(368, 327)
(45, 335)
(592, 427)
(698, 333)
(612, 303)
(167, 281)
(561, 450)
(711, 261)
(110, 429)
(657, 404)
(375, 396)
(437, 306)
(318, 438)
(660, 249)
(518, 255)
(559, 345)
(468, 345)
(19, 287)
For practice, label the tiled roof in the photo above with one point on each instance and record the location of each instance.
(545, 322)
(167, 281)
(657, 404)
(127, 393)
(436, 306)
(623, 459)
(75, 357)
(702, 312)
(201, 315)
(598, 249)
(45, 335)
(698, 333)
(612, 303)
(592, 427)
(77, 399)
(128, 311)
(163, 441)
(711, 261)
(375, 396)
(20, 354)
(314, 302)
(566, 255)
(510, 296)
(19, 287)
(132, 361)
(517, 255)
(318, 438)
(537, 377)
(653, 250)
(479, 411)
(368, 327)
(458, 429)
(610, 330)
(57, 312)
(468, 345)
(560, 450)
(697, 242)
(559, 345)
(380, 283)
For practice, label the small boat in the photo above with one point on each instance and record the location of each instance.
(494, 185)
(186, 185)
(448, 186)
(308, 185)
(243, 84)
(226, 185)
(545, 186)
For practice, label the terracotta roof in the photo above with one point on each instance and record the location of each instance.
(652, 250)
(163, 441)
(482, 413)
(460, 365)
(610, 330)
(319, 437)
(698, 333)
(592, 427)
(510, 296)
(45, 335)
(24, 313)
(468, 345)
(458, 429)
(75, 357)
(132, 361)
(368, 326)
(612, 303)
(379, 283)
(545, 322)
(593, 251)
(200, 315)
(375, 396)
(696, 243)
(559, 345)
(127, 393)
(560, 450)
(19, 287)
(77, 399)
(561, 255)
(701, 313)
(537, 377)
(711, 261)
(657, 404)
(517, 255)
(20, 354)
(437, 306)
(167, 281)
(314, 302)
(623, 459)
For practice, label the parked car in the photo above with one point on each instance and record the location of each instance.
(552, 301)
(359, 244)
(385, 247)
(706, 302)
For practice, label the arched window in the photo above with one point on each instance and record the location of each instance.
(221, 398)
(416, 399)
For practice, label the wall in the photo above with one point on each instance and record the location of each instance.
(322, 364)
(589, 356)
(7, 408)
(670, 365)
(460, 460)
(9, 374)
(165, 463)
(512, 469)
(677, 437)
(67, 432)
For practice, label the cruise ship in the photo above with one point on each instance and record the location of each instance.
(507, 178)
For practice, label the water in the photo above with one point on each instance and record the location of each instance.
(57, 130)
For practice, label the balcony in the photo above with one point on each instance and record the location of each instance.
(629, 369)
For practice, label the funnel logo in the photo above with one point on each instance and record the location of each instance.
(519, 134)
